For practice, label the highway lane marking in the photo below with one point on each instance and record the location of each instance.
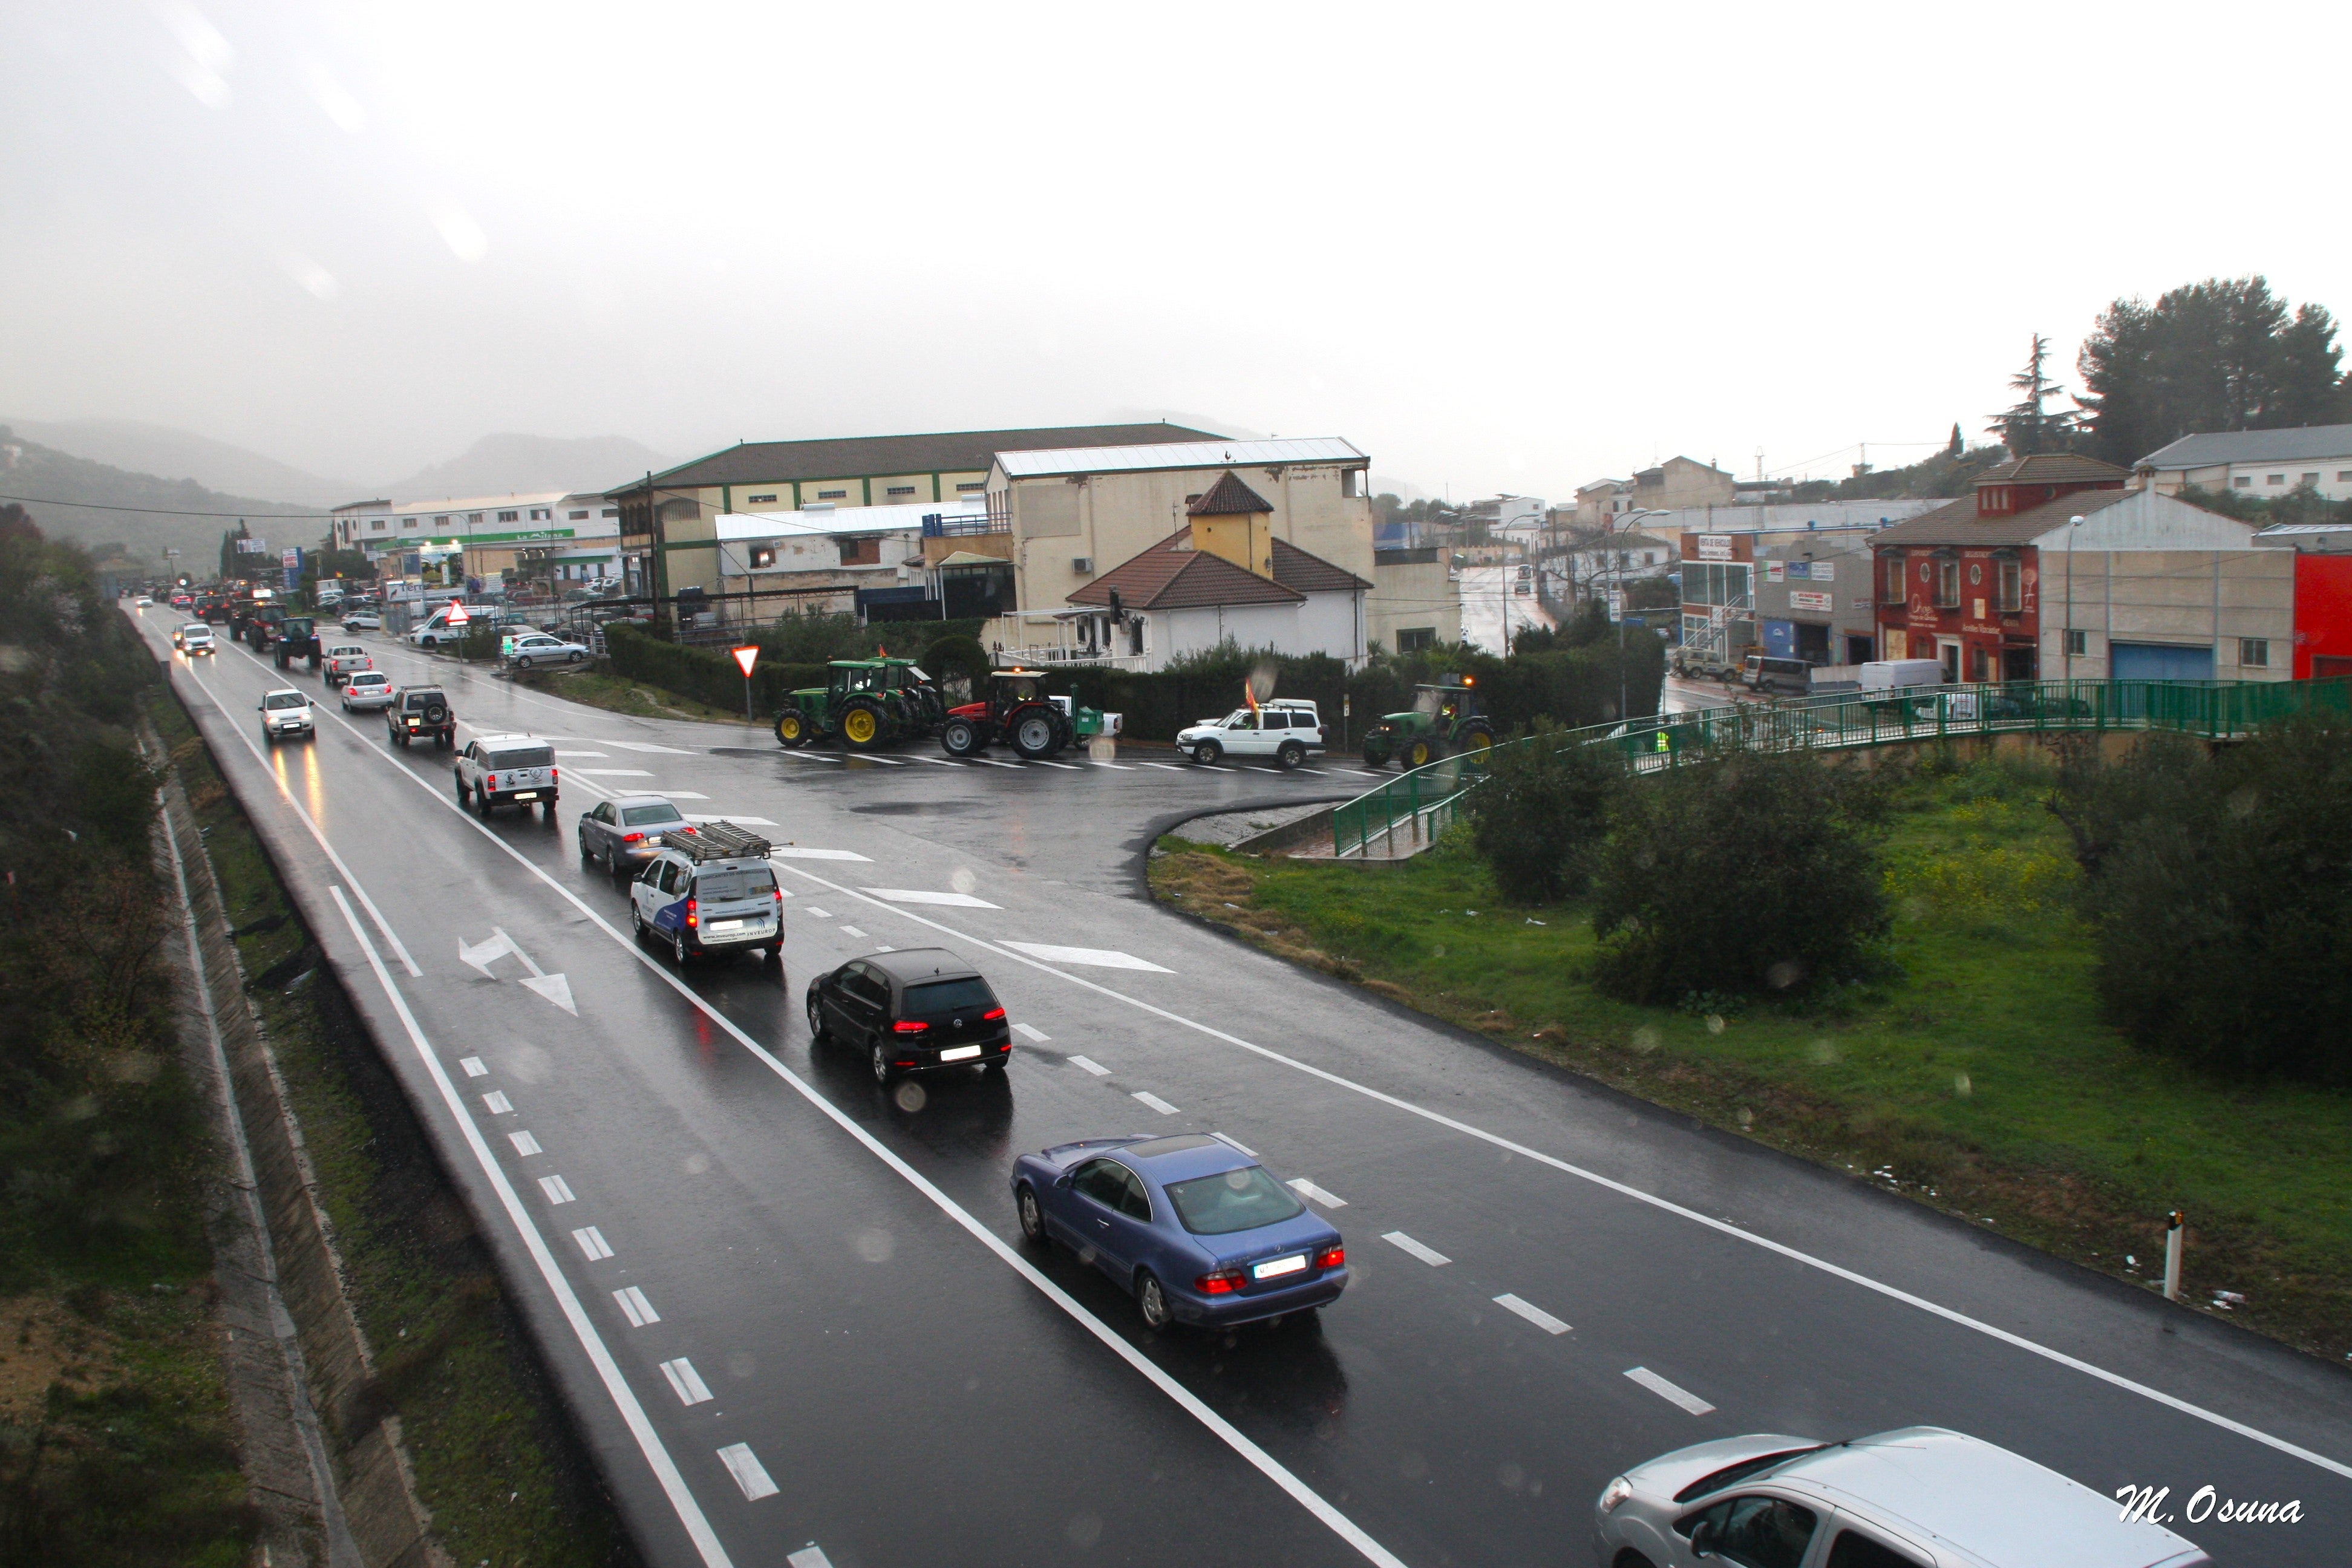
(1156, 1103)
(474, 1068)
(815, 913)
(1068, 767)
(801, 852)
(738, 821)
(639, 745)
(748, 1473)
(1234, 1143)
(286, 793)
(1533, 1314)
(1123, 767)
(992, 762)
(924, 896)
(1669, 1392)
(557, 1189)
(608, 773)
(686, 1382)
(1609, 1184)
(584, 754)
(808, 756)
(634, 1304)
(1165, 767)
(853, 930)
(1412, 1248)
(886, 761)
(1030, 1032)
(525, 1144)
(1094, 957)
(590, 1242)
(498, 1103)
(941, 762)
(1313, 1193)
(680, 794)
(809, 1557)
(1087, 1064)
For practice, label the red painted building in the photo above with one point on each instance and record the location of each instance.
(1961, 584)
(2322, 616)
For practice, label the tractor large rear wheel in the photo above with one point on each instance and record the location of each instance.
(865, 727)
(1034, 733)
(792, 728)
(1472, 738)
(1419, 754)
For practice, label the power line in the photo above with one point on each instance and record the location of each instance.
(176, 511)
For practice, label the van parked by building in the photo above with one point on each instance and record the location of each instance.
(1765, 672)
(1893, 674)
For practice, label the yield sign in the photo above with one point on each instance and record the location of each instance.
(745, 657)
(457, 615)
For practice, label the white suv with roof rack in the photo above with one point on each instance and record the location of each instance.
(1288, 729)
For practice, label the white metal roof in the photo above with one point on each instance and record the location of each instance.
(902, 519)
(2302, 443)
(1177, 455)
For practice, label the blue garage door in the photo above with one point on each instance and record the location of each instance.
(2161, 661)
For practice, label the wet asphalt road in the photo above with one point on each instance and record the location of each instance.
(841, 1274)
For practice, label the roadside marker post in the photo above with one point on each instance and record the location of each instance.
(2174, 1223)
(745, 657)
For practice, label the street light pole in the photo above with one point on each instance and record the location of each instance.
(2072, 524)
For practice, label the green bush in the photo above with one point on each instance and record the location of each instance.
(1539, 820)
(1738, 875)
(2224, 896)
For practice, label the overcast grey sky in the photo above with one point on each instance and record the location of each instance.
(1496, 247)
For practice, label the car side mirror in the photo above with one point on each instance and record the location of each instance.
(1063, 1180)
(1702, 1539)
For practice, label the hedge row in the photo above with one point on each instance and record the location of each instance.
(707, 675)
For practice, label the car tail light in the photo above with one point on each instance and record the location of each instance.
(553, 773)
(1223, 1282)
(686, 829)
(991, 1015)
(633, 838)
(1331, 1258)
(491, 781)
(909, 1027)
(779, 892)
(692, 919)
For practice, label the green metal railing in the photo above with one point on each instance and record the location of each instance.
(1416, 805)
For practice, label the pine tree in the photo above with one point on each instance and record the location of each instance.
(1957, 447)
(2025, 426)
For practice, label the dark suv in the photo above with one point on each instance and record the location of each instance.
(910, 1012)
(417, 712)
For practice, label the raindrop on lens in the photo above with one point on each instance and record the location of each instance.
(911, 1096)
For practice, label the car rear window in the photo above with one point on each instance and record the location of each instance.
(1233, 1200)
(524, 757)
(945, 998)
(648, 816)
(749, 883)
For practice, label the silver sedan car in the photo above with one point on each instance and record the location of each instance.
(364, 690)
(623, 834)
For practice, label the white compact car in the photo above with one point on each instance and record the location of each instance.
(366, 690)
(1288, 729)
(362, 621)
(196, 640)
(538, 648)
(286, 716)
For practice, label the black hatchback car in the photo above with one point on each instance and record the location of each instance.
(910, 1012)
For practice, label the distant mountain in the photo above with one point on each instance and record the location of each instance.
(169, 512)
(502, 465)
(159, 449)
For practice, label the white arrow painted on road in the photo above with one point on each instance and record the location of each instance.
(480, 956)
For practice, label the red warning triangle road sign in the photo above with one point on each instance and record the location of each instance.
(745, 657)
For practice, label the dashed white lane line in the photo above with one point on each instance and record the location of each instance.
(1092, 957)
(1319, 773)
(685, 1382)
(1668, 1392)
(1087, 1064)
(609, 773)
(1213, 767)
(1156, 1103)
(1030, 1032)
(1315, 1194)
(681, 794)
(497, 1103)
(634, 1304)
(815, 913)
(647, 746)
(939, 762)
(1234, 1143)
(557, 1189)
(809, 1557)
(808, 756)
(925, 896)
(1165, 767)
(1408, 1245)
(992, 762)
(1536, 1315)
(801, 852)
(593, 1243)
(853, 930)
(748, 1473)
(473, 1066)
(570, 755)
(1066, 767)
(889, 762)
(525, 1144)
(1123, 767)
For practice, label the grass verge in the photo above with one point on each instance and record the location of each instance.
(598, 687)
(502, 1475)
(1981, 1080)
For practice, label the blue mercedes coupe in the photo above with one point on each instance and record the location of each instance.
(1197, 1231)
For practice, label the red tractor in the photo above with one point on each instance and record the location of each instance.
(1018, 712)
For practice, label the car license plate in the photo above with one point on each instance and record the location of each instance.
(961, 1054)
(726, 925)
(653, 841)
(1278, 1268)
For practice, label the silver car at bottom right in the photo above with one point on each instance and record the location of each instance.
(1921, 1497)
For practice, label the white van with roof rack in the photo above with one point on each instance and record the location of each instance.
(711, 893)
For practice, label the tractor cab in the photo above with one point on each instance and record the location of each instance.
(867, 703)
(1446, 717)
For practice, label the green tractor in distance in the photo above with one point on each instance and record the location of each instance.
(868, 704)
(1444, 719)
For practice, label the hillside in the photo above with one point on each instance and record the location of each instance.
(501, 465)
(145, 448)
(46, 477)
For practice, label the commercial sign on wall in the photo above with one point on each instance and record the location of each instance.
(1715, 547)
(1810, 599)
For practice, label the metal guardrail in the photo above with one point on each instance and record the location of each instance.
(1415, 806)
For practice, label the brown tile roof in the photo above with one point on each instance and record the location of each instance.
(2052, 468)
(865, 457)
(1957, 523)
(1172, 575)
(1310, 573)
(1227, 498)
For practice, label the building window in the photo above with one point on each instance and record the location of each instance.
(2344, 476)
(440, 522)
(2078, 644)
(757, 499)
(2274, 479)
(540, 514)
(763, 555)
(1351, 482)
(1976, 573)
(408, 522)
(832, 495)
(473, 517)
(504, 517)
(1895, 578)
(901, 490)
(861, 551)
(1947, 585)
(2243, 480)
(576, 517)
(1414, 639)
(2013, 587)
(376, 525)
(966, 487)
(1979, 665)
(2255, 653)
(612, 512)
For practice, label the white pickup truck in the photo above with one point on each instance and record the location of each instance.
(508, 769)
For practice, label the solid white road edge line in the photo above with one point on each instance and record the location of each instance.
(1265, 1464)
(1839, 1271)
(633, 1415)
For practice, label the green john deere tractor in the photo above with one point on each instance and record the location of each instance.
(1444, 719)
(868, 704)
